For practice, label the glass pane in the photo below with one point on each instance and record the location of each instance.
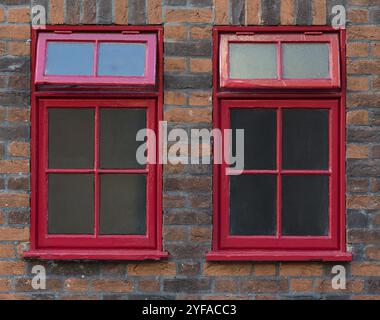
(308, 60)
(305, 205)
(70, 58)
(71, 138)
(123, 204)
(122, 59)
(253, 61)
(118, 143)
(71, 204)
(305, 139)
(259, 136)
(253, 205)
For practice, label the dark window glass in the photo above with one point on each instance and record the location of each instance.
(259, 136)
(122, 59)
(118, 143)
(305, 139)
(305, 205)
(253, 205)
(71, 138)
(70, 58)
(71, 204)
(306, 60)
(253, 61)
(123, 204)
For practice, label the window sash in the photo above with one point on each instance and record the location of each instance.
(278, 39)
(279, 241)
(149, 79)
(96, 241)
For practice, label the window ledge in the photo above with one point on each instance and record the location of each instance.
(224, 255)
(48, 254)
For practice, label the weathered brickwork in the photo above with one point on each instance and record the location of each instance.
(187, 189)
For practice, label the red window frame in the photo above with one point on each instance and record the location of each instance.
(94, 95)
(278, 39)
(97, 38)
(280, 248)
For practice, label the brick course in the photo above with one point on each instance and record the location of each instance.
(187, 196)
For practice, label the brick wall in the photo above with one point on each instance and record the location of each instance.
(187, 189)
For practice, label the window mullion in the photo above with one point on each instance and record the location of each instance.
(279, 169)
(96, 170)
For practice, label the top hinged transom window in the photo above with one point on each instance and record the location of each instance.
(96, 59)
(289, 60)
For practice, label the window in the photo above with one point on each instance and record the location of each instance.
(288, 203)
(98, 58)
(94, 89)
(291, 60)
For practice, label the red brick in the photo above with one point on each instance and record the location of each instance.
(76, 285)
(18, 149)
(319, 12)
(363, 33)
(363, 202)
(18, 115)
(227, 269)
(265, 269)
(358, 15)
(301, 269)
(14, 166)
(373, 253)
(198, 15)
(149, 286)
(287, 12)
(19, 15)
(57, 11)
(221, 11)
(7, 251)
(200, 98)
(201, 33)
(14, 200)
(5, 285)
(174, 98)
(14, 234)
(357, 152)
(301, 285)
(365, 269)
(357, 49)
(152, 269)
(358, 83)
(108, 285)
(175, 32)
(154, 8)
(200, 234)
(121, 11)
(14, 32)
(175, 64)
(12, 268)
(188, 115)
(229, 286)
(200, 65)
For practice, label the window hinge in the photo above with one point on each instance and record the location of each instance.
(63, 31)
(130, 32)
(313, 33)
(245, 33)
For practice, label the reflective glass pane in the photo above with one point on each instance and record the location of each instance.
(307, 60)
(259, 127)
(305, 205)
(118, 129)
(253, 205)
(305, 139)
(123, 204)
(122, 59)
(69, 58)
(71, 204)
(71, 138)
(253, 61)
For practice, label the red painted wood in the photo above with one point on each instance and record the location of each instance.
(277, 248)
(150, 64)
(278, 37)
(45, 246)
